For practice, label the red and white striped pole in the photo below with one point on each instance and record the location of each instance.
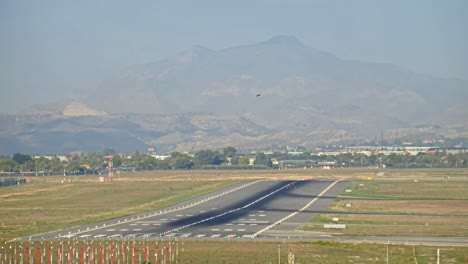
(59, 255)
(111, 167)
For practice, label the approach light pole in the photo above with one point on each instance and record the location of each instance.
(111, 167)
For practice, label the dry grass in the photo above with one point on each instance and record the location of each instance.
(431, 207)
(47, 204)
(51, 203)
(406, 188)
(228, 252)
(393, 225)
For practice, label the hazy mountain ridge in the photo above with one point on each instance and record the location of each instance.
(48, 134)
(203, 98)
(39, 133)
(286, 73)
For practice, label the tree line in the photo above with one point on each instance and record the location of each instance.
(228, 158)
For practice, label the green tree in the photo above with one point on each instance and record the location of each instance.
(229, 152)
(393, 160)
(42, 164)
(179, 161)
(108, 152)
(136, 160)
(95, 161)
(117, 160)
(244, 160)
(208, 157)
(56, 166)
(183, 162)
(21, 158)
(235, 160)
(7, 164)
(262, 159)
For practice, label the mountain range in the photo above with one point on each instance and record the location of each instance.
(276, 92)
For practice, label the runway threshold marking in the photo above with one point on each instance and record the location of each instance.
(297, 212)
(230, 211)
(161, 212)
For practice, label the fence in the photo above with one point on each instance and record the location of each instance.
(6, 182)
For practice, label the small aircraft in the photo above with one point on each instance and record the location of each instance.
(258, 95)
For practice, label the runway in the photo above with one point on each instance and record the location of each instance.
(246, 210)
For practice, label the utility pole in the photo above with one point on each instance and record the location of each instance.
(381, 139)
(438, 256)
(279, 254)
(387, 254)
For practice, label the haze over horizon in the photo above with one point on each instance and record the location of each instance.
(54, 50)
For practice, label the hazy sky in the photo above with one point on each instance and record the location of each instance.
(50, 50)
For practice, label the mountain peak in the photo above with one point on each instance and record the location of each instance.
(200, 50)
(283, 40)
(196, 51)
(75, 108)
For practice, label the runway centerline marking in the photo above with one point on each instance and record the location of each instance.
(160, 212)
(300, 210)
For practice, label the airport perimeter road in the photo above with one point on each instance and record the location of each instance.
(243, 210)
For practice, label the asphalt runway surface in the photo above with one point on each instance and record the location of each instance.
(265, 210)
(245, 210)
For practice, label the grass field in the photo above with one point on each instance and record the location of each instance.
(407, 206)
(47, 203)
(228, 252)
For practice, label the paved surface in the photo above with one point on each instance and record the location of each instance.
(237, 211)
(264, 210)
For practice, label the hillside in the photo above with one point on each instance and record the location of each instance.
(273, 93)
(301, 89)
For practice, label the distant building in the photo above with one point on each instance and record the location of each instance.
(161, 156)
(326, 165)
(61, 158)
(388, 150)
